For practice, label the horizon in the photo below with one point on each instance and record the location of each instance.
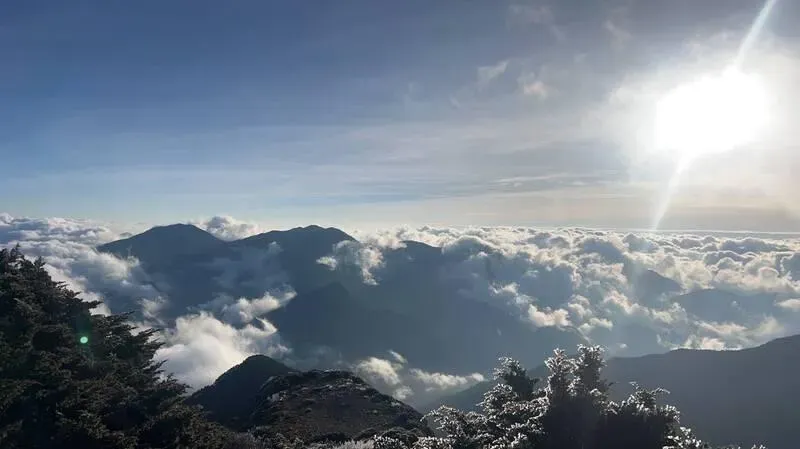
(125, 230)
(375, 114)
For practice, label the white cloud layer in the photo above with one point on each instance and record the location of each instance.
(201, 347)
(394, 376)
(67, 246)
(632, 292)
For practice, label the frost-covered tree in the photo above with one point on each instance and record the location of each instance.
(571, 411)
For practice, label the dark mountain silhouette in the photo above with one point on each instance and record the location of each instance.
(649, 286)
(161, 245)
(332, 317)
(301, 248)
(729, 397)
(310, 242)
(723, 306)
(232, 397)
(309, 405)
(193, 268)
(315, 404)
(430, 335)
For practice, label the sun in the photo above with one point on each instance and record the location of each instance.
(713, 114)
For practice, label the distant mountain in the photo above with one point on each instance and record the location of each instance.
(723, 306)
(311, 242)
(160, 245)
(301, 248)
(311, 405)
(728, 397)
(193, 268)
(418, 308)
(330, 316)
(233, 396)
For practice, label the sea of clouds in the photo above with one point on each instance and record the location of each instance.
(738, 291)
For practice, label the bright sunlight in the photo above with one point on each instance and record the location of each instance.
(713, 114)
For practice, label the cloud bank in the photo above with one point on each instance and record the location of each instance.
(632, 292)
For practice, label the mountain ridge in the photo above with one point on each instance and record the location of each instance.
(312, 405)
(241, 382)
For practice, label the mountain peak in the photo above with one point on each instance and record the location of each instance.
(254, 367)
(316, 404)
(230, 398)
(160, 244)
(310, 234)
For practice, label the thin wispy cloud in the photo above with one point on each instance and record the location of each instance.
(429, 106)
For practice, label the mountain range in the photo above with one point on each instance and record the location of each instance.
(349, 317)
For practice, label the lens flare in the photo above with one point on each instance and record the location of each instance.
(711, 115)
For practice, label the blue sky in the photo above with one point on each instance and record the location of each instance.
(370, 112)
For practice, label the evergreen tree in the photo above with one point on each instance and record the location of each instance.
(69, 378)
(572, 411)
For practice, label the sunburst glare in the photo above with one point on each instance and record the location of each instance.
(711, 114)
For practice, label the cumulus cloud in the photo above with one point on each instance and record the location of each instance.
(22, 229)
(546, 318)
(246, 310)
(441, 381)
(398, 357)
(790, 304)
(228, 228)
(414, 385)
(366, 255)
(382, 370)
(201, 347)
(68, 248)
(633, 292)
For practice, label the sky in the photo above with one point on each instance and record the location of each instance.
(375, 112)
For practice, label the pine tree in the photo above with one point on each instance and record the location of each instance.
(69, 378)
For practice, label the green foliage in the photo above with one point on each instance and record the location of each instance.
(107, 393)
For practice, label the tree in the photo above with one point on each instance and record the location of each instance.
(572, 411)
(69, 378)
